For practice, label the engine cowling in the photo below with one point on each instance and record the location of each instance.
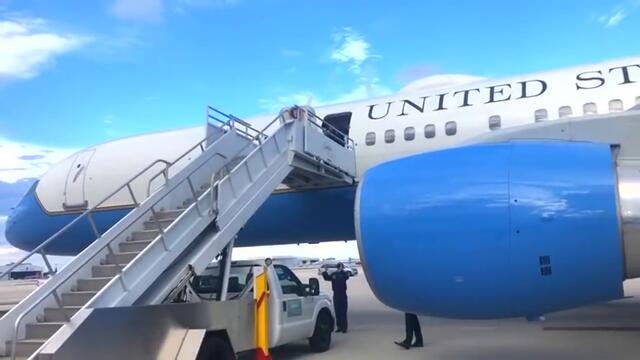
(495, 230)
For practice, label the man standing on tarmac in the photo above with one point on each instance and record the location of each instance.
(339, 286)
(412, 327)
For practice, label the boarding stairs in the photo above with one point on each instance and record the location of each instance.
(181, 226)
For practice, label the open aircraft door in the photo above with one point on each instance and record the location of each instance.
(74, 195)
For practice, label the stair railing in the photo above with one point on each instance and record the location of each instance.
(87, 214)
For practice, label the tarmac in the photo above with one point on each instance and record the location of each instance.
(13, 291)
(598, 332)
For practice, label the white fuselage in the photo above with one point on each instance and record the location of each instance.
(422, 119)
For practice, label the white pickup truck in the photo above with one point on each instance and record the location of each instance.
(193, 323)
(297, 311)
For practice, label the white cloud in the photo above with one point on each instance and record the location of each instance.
(360, 92)
(613, 19)
(183, 5)
(10, 252)
(616, 15)
(351, 48)
(26, 45)
(7, 252)
(291, 52)
(617, 18)
(210, 3)
(22, 160)
(145, 10)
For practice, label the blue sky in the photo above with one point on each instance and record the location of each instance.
(75, 73)
(96, 70)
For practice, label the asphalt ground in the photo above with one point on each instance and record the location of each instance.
(598, 332)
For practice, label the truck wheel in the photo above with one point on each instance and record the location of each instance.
(320, 341)
(215, 347)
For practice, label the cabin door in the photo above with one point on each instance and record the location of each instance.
(74, 194)
(340, 122)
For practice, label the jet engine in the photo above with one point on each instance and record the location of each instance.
(518, 228)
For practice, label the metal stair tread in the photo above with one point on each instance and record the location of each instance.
(97, 278)
(31, 341)
(169, 214)
(67, 307)
(146, 231)
(127, 253)
(107, 265)
(140, 241)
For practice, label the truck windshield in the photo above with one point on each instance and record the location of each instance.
(208, 284)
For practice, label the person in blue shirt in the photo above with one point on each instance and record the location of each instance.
(340, 302)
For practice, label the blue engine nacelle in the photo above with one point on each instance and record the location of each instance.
(492, 231)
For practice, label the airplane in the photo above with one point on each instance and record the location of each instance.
(432, 202)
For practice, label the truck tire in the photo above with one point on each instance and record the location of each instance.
(320, 341)
(216, 348)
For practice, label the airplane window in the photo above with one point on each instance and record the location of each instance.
(565, 111)
(616, 105)
(430, 131)
(590, 109)
(450, 128)
(541, 115)
(370, 138)
(389, 136)
(495, 122)
(409, 133)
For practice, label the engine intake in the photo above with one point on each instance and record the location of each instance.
(490, 231)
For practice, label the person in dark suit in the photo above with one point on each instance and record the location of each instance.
(340, 302)
(412, 327)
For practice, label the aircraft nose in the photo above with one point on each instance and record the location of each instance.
(29, 225)
(18, 225)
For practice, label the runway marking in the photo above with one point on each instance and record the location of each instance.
(591, 328)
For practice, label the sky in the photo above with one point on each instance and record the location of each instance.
(76, 73)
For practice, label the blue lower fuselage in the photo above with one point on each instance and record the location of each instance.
(285, 218)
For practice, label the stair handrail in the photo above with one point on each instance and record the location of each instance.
(54, 290)
(260, 137)
(247, 126)
(347, 143)
(231, 120)
(87, 213)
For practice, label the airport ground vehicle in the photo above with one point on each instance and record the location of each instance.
(333, 266)
(297, 311)
(209, 316)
